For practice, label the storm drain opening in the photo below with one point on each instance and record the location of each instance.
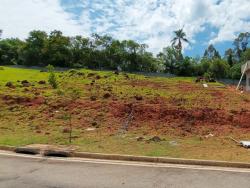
(50, 153)
(27, 151)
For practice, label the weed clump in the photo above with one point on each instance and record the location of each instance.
(106, 95)
(93, 98)
(25, 83)
(52, 77)
(41, 82)
(10, 85)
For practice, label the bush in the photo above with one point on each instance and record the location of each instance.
(208, 76)
(52, 77)
(219, 68)
(235, 71)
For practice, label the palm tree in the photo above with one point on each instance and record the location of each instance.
(180, 36)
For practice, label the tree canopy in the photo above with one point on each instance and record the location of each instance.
(105, 52)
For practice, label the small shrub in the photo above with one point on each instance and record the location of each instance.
(208, 76)
(59, 92)
(52, 77)
(75, 94)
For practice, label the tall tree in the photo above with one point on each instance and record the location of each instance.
(80, 48)
(10, 51)
(33, 52)
(169, 57)
(229, 56)
(131, 49)
(241, 43)
(179, 38)
(211, 53)
(58, 50)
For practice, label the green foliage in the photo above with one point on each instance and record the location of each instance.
(245, 56)
(169, 58)
(180, 36)
(211, 53)
(240, 44)
(52, 77)
(58, 51)
(105, 52)
(219, 68)
(186, 67)
(9, 51)
(34, 51)
(229, 55)
(235, 71)
(75, 94)
(96, 52)
(208, 75)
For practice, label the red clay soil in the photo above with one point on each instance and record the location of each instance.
(36, 101)
(154, 113)
(163, 113)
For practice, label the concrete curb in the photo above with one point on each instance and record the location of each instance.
(161, 160)
(133, 158)
(7, 148)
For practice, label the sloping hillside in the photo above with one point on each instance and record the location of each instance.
(119, 113)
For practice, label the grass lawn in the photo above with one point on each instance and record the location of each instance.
(191, 121)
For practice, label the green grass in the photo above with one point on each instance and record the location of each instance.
(15, 74)
(22, 125)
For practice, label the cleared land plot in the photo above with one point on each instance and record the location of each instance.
(120, 113)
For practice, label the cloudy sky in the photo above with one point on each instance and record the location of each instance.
(147, 21)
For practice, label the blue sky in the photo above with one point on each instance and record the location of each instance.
(152, 22)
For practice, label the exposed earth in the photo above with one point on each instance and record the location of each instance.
(124, 110)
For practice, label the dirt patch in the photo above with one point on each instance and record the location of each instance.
(147, 83)
(91, 75)
(42, 82)
(178, 101)
(10, 100)
(26, 83)
(191, 121)
(187, 87)
(10, 85)
(138, 97)
(106, 95)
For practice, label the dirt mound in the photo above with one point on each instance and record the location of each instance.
(10, 85)
(188, 120)
(241, 118)
(25, 83)
(10, 100)
(106, 95)
(42, 82)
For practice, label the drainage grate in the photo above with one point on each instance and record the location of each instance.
(50, 153)
(27, 151)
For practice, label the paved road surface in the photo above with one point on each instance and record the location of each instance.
(18, 171)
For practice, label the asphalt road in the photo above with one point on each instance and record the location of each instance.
(18, 171)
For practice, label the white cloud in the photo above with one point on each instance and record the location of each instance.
(18, 18)
(230, 17)
(153, 21)
(148, 21)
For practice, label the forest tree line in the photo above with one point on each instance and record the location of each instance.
(105, 52)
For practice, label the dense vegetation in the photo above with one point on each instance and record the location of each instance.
(105, 52)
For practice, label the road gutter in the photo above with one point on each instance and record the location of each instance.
(117, 157)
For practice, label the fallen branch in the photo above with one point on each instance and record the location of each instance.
(126, 124)
(236, 141)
